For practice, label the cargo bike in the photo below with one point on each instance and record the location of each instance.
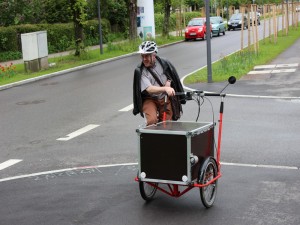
(175, 156)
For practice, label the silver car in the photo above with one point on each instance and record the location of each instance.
(218, 25)
(235, 22)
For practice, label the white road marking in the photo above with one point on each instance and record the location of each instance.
(264, 67)
(259, 72)
(284, 71)
(64, 170)
(9, 163)
(272, 66)
(78, 132)
(132, 164)
(127, 108)
(263, 97)
(287, 65)
(272, 71)
(261, 166)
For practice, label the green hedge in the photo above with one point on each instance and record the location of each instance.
(8, 39)
(59, 36)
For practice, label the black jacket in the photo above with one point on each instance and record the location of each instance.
(169, 70)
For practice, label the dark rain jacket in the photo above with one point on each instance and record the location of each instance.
(169, 70)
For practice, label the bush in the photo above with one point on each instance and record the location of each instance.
(10, 55)
(91, 31)
(60, 37)
(8, 39)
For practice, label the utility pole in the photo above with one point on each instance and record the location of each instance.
(208, 42)
(100, 29)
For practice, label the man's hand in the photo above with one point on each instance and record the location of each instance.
(170, 91)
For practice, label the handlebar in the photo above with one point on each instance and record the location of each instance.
(188, 95)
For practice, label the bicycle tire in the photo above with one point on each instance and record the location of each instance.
(147, 191)
(208, 193)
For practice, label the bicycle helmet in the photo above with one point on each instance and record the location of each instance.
(148, 47)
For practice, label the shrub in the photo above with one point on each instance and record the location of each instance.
(8, 39)
(10, 55)
(60, 37)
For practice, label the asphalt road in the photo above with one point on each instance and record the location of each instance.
(260, 183)
(35, 115)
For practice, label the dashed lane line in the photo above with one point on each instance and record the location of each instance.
(9, 163)
(78, 132)
(127, 108)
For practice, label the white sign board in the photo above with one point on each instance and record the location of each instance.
(34, 45)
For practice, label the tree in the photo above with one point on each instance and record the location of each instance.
(78, 9)
(167, 6)
(132, 10)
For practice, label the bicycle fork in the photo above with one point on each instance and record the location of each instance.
(220, 132)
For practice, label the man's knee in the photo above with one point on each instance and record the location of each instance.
(151, 120)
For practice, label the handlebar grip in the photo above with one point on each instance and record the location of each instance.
(214, 94)
(188, 95)
(211, 94)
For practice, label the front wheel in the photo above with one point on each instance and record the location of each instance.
(208, 172)
(147, 191)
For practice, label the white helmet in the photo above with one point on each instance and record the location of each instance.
(148, 47)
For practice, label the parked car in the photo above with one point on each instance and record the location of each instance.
(235, 21)
(196, 28)
(257, 18)
(218, 25)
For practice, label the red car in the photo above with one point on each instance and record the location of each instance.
(196, 28)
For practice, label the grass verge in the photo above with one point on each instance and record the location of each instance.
(110, 50)
(243, 61)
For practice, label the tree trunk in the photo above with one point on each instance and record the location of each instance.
(132, 6)
(78, 28)
(165, 31)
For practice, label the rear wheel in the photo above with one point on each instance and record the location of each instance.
(208, 193)
(147, 191)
